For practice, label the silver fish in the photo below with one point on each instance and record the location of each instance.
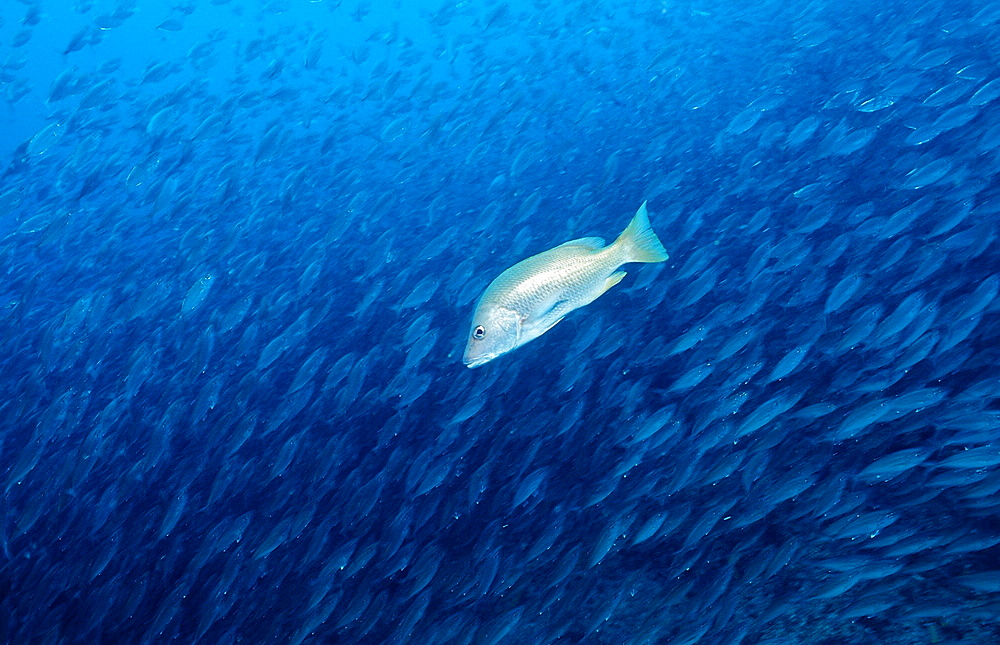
(529, 298)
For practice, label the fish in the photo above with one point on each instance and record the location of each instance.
(531, 297)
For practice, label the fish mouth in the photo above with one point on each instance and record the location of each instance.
(476, 361)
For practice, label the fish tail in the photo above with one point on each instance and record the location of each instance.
(639, 241)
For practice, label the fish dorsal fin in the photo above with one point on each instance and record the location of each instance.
(592, 243)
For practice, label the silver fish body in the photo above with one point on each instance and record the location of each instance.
(529, 298)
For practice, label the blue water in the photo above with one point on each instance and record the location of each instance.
(241, 244)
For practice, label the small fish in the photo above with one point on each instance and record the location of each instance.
(529, 298)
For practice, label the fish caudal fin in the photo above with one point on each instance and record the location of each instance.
(640, 242)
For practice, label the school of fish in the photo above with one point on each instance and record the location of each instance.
(241, 243)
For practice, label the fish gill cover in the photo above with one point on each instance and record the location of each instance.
(242, 242)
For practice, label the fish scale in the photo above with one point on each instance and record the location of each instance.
(569, 278)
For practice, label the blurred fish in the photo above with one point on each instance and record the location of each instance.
(529, 298)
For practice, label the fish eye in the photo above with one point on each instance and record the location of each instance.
(479, 332)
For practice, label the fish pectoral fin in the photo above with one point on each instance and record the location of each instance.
(557, 309)
(612, 280)
(537, 324)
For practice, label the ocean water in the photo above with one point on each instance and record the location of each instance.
(241, 243)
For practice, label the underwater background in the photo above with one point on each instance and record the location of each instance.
(241, 243)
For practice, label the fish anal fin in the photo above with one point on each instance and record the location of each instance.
(612, 280)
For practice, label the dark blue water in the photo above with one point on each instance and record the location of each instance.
(241, 244)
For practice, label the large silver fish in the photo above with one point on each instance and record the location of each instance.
(526, 300)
